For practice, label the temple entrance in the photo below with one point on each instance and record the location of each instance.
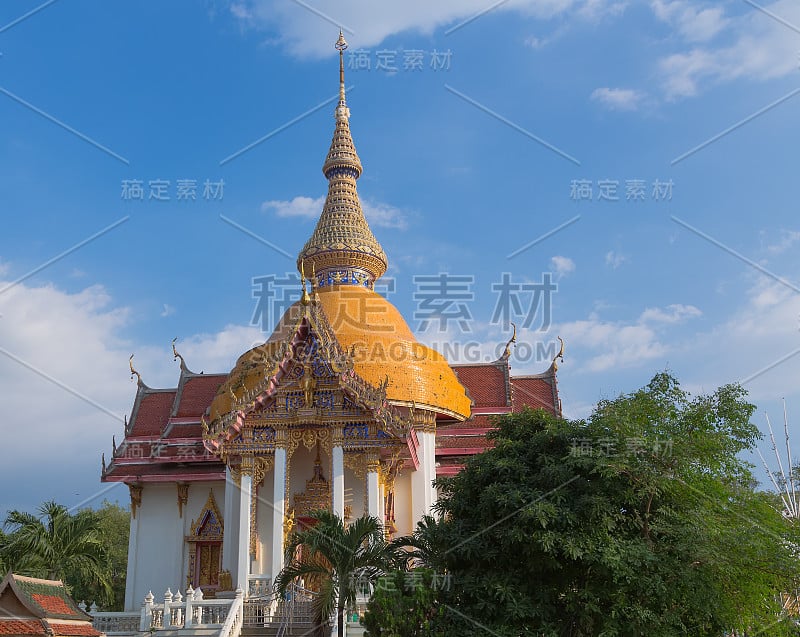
(205, 548)
(317, 495)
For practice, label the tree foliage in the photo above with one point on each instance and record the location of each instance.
(87, 550)
(404, 604)
(336, 562)
(641, 520)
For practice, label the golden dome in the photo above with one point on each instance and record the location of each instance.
(381, 343)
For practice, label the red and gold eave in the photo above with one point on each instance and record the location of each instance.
(164, 437)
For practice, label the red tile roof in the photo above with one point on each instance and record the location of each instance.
(197, 393)
(78, 630)
(21, 627)
(485, 383)
(153, 412)
(53, 604)
(536, 392)
(185, 431)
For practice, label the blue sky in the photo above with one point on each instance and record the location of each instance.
(466, 162)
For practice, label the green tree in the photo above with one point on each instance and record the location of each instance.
(58, 545)
(335, 561)
(403, 605)
(641, 520)
(114, 529)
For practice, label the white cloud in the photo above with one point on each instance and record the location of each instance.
(217, 352)
(305, 207)
(306, 33)
(379, 214)
(787, 240)
(167, 311)
(66, 385)
(383, 215)
(562, 265)
(757, 46)
(695, 22)
(676, 313)
(619, 99)
(615, 259)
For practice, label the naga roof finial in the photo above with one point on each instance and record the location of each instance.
(560, 354)
(513, 339)
(176, 356)
(134, 372)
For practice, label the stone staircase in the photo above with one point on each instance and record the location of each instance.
(271, 630)
(299, 624)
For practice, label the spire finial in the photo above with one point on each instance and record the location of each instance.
(342, 112)
(342, 250)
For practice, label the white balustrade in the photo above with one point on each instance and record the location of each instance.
(116, 623)
(179, 612)
(259, 586)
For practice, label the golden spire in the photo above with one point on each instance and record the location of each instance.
(342, 249)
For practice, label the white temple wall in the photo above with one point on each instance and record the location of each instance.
(153, 564)
(158, 556)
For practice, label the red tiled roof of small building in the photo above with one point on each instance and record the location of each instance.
(21, 627)
(45, 598)
(73, 630)
(53, 605)
(33, 606)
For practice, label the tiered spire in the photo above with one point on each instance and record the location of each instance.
(342, 250)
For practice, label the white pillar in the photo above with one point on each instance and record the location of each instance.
(423, 494)
(230, 529)
(131, 602)
(278, 511)
(338, 481)
(430, 455)
(243, 558)
(373, 493)
(180, 536)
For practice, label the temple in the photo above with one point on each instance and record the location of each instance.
(341, 408)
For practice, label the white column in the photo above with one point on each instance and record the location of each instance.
(243, 558)
(373, 494)
(180, 537)
(230, 529)
(338, 481)
(418, 484)
(430, 455)
(423, 494)
(131, 603)
(278, 511)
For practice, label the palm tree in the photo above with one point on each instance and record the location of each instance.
(56, 545)
(424, 547)
(337, 561)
